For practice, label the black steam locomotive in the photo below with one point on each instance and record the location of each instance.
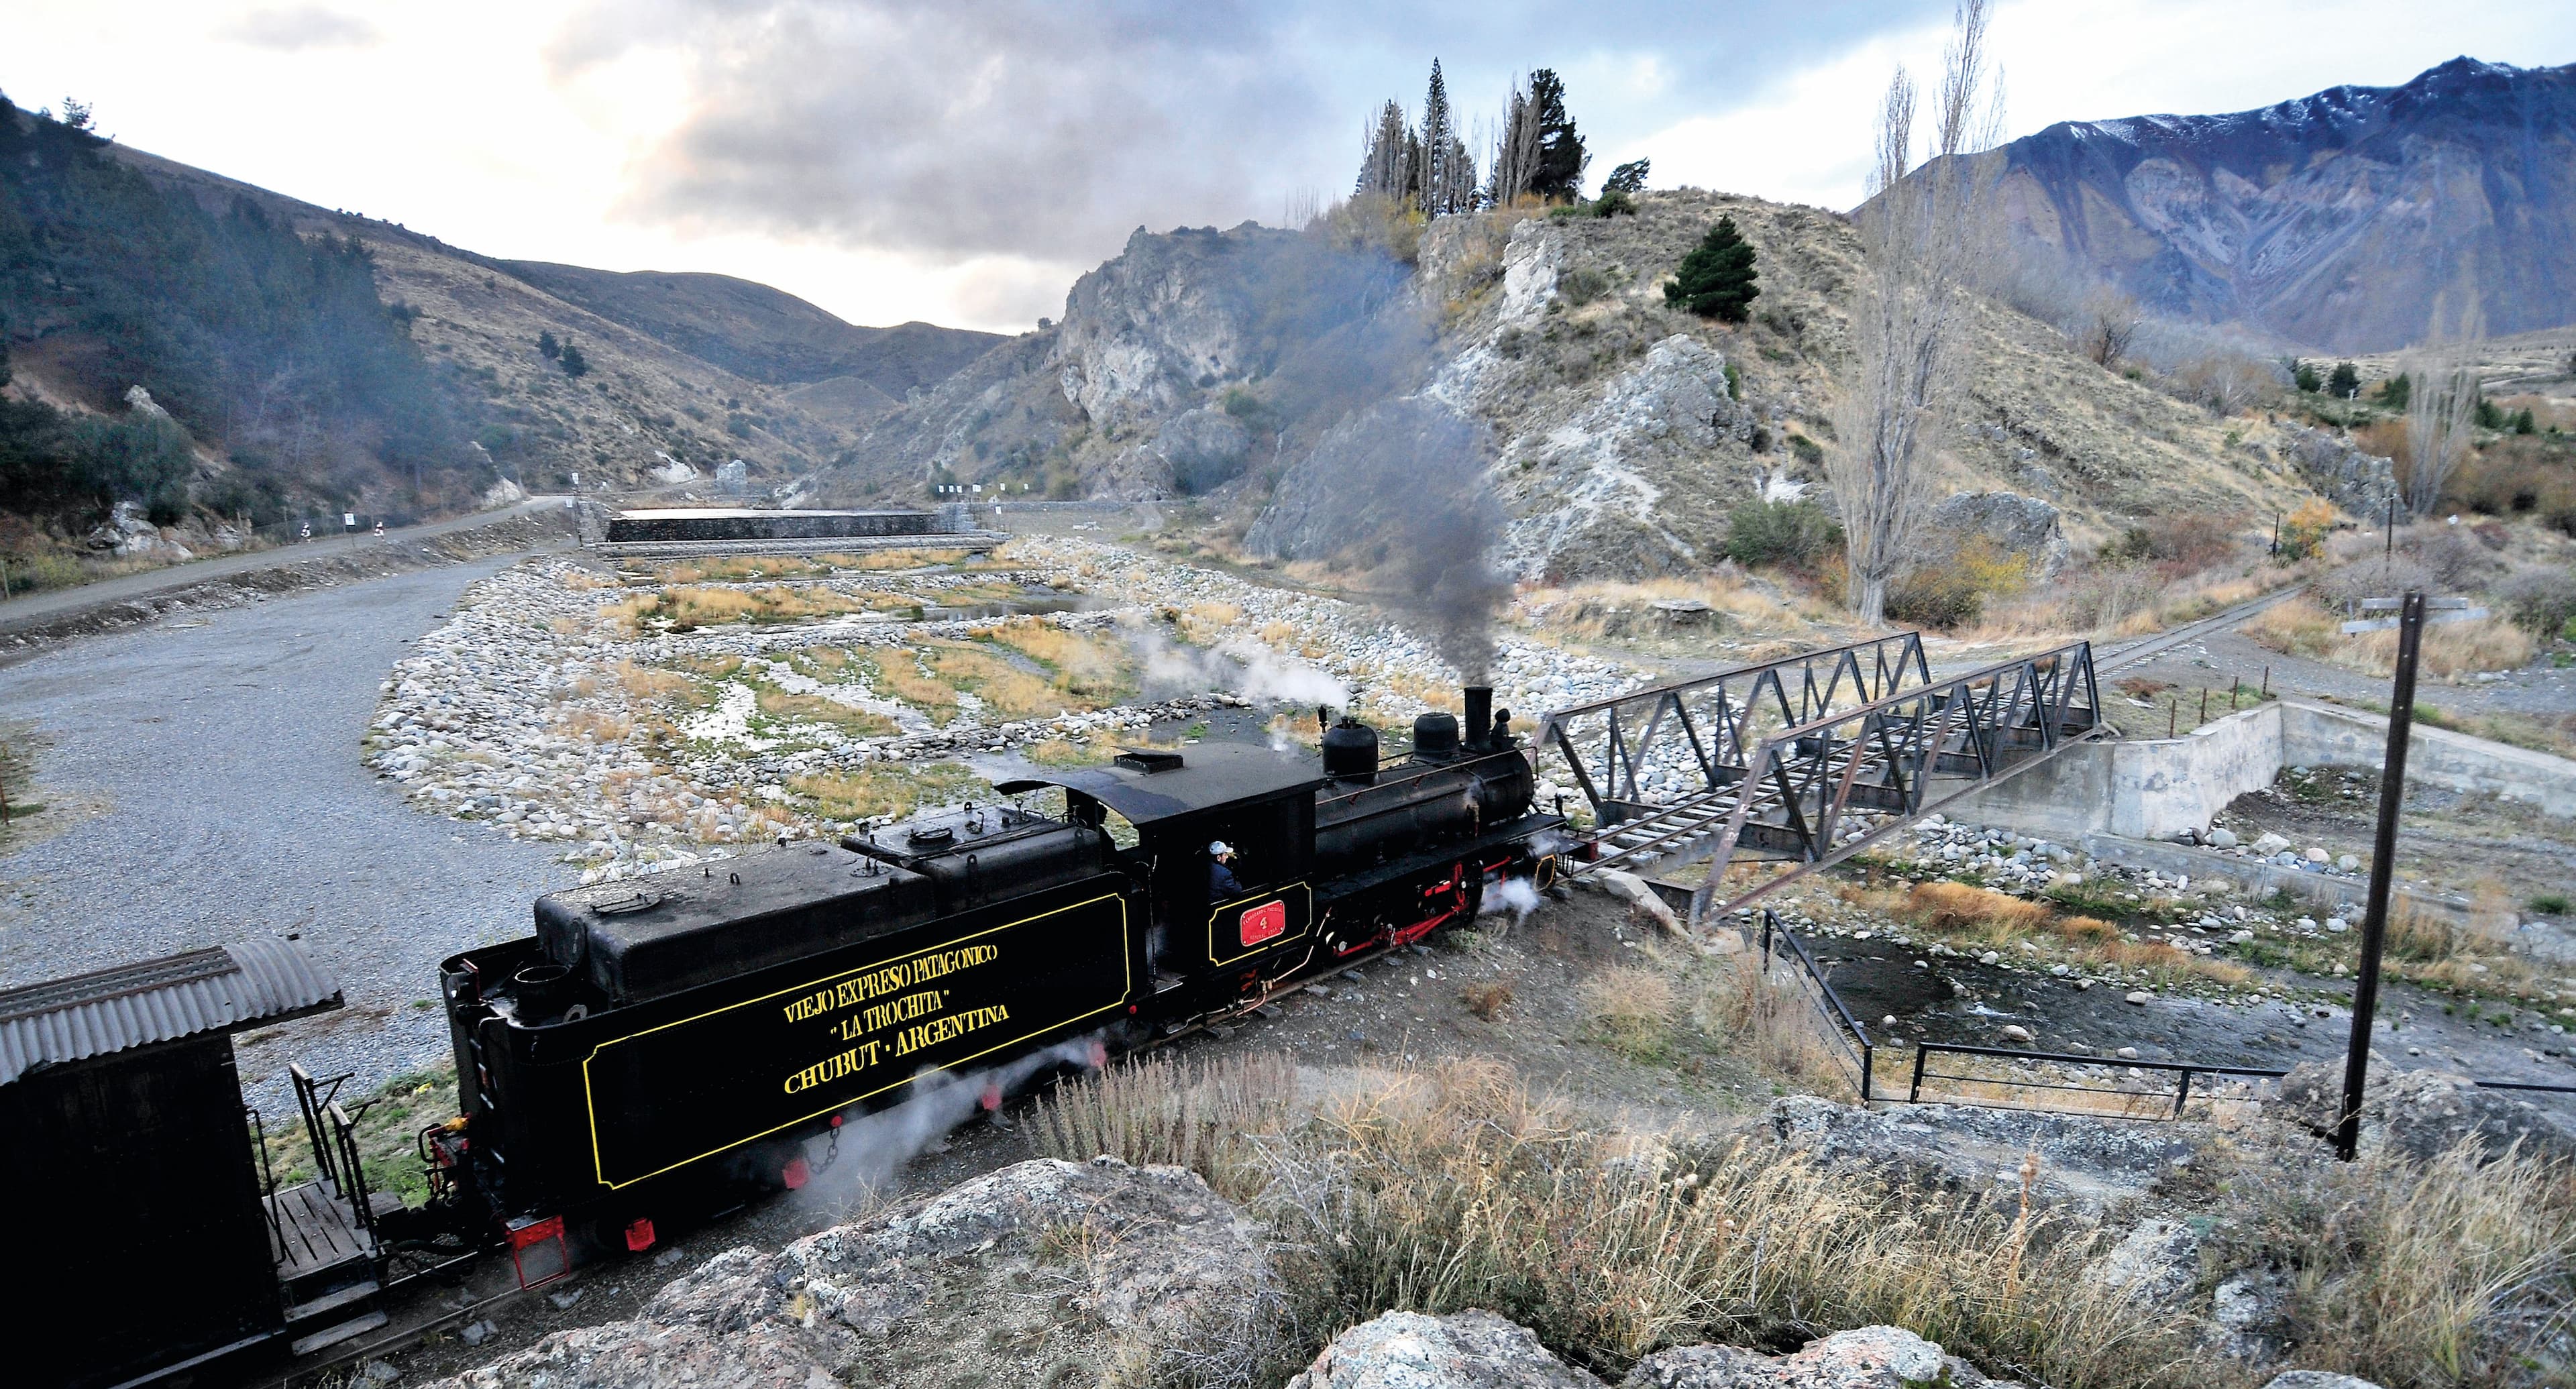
(660, 1042)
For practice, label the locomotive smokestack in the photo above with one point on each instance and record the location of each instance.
(1480, 715)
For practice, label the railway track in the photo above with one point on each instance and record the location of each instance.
(2146, 648)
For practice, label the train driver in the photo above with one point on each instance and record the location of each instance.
(1221, 881)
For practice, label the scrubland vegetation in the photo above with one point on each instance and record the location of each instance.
(1451, 1186)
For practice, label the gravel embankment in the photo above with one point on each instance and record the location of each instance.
(205, 785)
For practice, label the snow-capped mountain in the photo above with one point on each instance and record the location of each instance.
(2336, 220)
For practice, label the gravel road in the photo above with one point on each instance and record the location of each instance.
(208, 778)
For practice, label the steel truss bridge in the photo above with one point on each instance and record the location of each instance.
(1809, 758)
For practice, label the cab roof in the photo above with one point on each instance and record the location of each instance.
(1201, 777)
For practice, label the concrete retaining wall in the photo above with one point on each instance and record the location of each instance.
(2144, 789)
(2324, 735)
(2155, 788)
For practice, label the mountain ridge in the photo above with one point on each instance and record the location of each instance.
(2338, 219)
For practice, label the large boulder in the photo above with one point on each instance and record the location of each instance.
(2085, 1164)
(2017, 525)
(1872, 1357)
(1464, 1350)
(1042, 1273)
(2421, 1114)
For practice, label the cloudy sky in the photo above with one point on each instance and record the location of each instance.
(961, 162)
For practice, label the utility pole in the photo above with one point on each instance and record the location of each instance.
(2383, 871)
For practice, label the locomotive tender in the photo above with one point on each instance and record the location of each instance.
(662, 1042)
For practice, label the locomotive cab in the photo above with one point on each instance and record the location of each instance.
(1260, 802)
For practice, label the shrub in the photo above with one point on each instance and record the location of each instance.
(1808, 450)
(1582, 285)
(1793, 534)
(2540, 601)
(2304, 531)
(1953, 591)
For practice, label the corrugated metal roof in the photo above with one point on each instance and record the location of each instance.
(212, 990)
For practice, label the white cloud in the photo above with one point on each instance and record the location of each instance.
(525, 129)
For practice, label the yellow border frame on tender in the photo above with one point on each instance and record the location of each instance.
(1222, 908)
(590, 1104)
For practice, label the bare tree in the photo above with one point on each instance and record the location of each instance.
(2110, 323)
(2442, 404)
(1516, 153)
(1920, 242)
(1385, 165)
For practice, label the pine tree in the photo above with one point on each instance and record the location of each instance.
(572, 362)
(1716, 278)
(2304, 376)
(547, 347)
(1448, 182)
(2345, 383)
(1628, 178)
(1561, 158)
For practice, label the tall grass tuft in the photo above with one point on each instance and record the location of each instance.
(1201, 1115)
(1453, 1188)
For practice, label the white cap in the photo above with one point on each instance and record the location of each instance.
(1219, 849)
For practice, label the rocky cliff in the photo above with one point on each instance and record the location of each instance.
(1613, 433)
(2334, 220)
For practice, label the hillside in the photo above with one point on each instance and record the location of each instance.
(431, 383)
(2334, 220)
(760, 333)
(1617, 433)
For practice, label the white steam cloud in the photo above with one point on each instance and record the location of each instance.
(874, 1147)
(1247, 668)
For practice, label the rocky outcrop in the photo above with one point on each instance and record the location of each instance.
(1464, 1350)
(1872, 1357)
(2422, 1114)
(1479, 1350)
(2021, 526)
(1042, 1273)
(2082, 1164)
(2361, 483)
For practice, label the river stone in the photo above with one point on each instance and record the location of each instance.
(1464, 1350)
(2222, 839)
(2317, 1379)
(1157, 1272)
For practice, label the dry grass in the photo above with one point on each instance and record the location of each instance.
(1206, 623)
(1086, 666)
(1064, 752)
(1630, 1009)
(1959, 907)
(1452, 1188)
(594, 724)
(899, 674)
(1611, 610)
(2297, 627)
(2450, 650)
(1771, 1021)
(1204, 1115)
(2460, 1271)
(648, 683)
(1976, 917)
(811, 708)
(884, 790)
(2300, 627)
(1488, 999)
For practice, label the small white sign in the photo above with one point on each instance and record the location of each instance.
(348, 518)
